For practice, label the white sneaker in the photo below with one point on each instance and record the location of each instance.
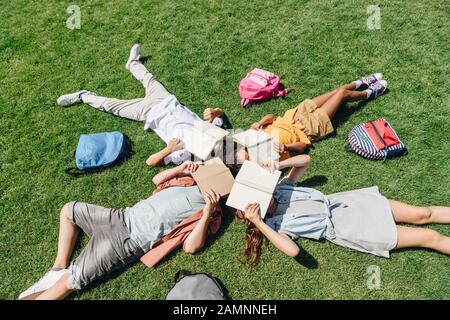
(70, 99)
(47, 281)
(135, 54)
(377, 89)
(366, 81)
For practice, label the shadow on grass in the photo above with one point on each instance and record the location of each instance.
(345, 112)
(144, 59)
(306, 260)
(395, 251)
(314, 182)
(226, 122)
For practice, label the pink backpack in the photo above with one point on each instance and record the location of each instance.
(259, 85)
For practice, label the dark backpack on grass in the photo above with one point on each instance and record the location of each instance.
(196, 286)
(375, 140)
(100, 150)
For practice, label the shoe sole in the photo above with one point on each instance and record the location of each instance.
(65, 104)
(32, 296)
(62, 104)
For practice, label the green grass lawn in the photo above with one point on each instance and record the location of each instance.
(200, 50)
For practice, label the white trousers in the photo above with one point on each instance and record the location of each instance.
(134, 109)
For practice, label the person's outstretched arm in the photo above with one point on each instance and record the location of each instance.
(299, 164)
(184, 169)
(266, 120)
(292, 148)
(280, 240)
(157, 158)
(196, 239)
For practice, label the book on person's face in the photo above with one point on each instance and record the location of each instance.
(214, 175)
(253, 184)
(203, 138)
(259, 145)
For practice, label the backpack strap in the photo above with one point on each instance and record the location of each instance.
(75, 172)
(349, 148)
(379, 135)
(381, 139)
(181, 274)
(281, 93)
(245, 102)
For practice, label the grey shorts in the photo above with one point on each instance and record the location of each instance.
(110, 247)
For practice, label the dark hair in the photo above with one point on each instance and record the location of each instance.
(254, 239)
(233, 163)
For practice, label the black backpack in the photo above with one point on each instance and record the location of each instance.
(196, 286)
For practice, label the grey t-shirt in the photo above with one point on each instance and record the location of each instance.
(151, 219)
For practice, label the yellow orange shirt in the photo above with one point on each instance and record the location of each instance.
(286, 130)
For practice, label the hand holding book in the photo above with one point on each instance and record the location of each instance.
(271, 166)
(259, 145)
(256, 126)
(214, 175)
(278, 147)
(252, 212)
(175, 144)
(189, 167)
(203, 138)
(254, 184)
(212, 200)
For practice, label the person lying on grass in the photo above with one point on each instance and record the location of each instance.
(310, 121)
(119, 237)
(362, 220)
(159, 109)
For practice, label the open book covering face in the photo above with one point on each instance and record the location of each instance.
(251, 137)
(253, 184)
(203, 138)
(259, 145)
(214, 175)
(263, 152)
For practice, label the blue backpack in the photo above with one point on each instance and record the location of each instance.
(100, 150)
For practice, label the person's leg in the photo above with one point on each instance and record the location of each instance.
(360, 84)
(134, 109)
(339, 97)
(320, 100)
(68, 234)
(109, 249)
(58, 291)
(155, 92)
(422, 238)
(406, 213)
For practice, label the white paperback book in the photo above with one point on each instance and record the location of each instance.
(253, 184)
(259, 145)
(203, 139)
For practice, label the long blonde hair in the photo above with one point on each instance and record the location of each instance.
(254, 239)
